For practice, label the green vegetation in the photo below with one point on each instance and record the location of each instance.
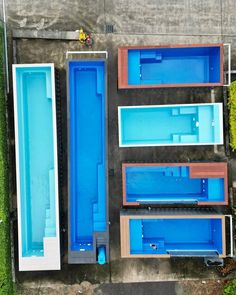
(232, 114)
(230, 288)
(6, 286)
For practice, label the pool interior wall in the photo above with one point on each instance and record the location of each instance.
(88, 232)
(160, 183)
(37, 182)
(185, 124)
(175, 234)
(180, 65)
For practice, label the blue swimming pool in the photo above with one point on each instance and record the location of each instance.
(36, 155)
(170, 233)
(87, 161)
(166, 66)
(168, 236)
(195, 183)
(195, 124)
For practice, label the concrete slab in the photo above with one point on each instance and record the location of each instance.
(124, 270)
(65, 14)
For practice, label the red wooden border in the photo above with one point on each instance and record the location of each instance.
(197, 170)
(123, 66)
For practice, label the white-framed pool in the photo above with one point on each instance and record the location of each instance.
(36, 166)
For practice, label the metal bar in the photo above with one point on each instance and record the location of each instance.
(5, 45)
(231, 236)
(229, 63)
(231, 72)
(86, 52)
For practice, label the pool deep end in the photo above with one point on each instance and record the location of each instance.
(179, 183)
(164, 235)
(87, 180)
(162, 125)
(170, 66)
(36, 167)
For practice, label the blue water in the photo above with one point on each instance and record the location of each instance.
(170, 184)
(36, 157)
(171, 125)
(87, 153)
(162, 236)
(174, 66)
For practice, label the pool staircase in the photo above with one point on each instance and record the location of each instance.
(50, 228)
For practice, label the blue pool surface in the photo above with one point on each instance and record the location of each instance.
(87, 153)
(176, 236)
(36, 157)
(170, 184)
(160, 66)
(171, 125)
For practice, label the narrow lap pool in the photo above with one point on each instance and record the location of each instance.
(88, 230)
(162, 125)
(165, 235)
(36, 166)
(160, 183)
(170, 66)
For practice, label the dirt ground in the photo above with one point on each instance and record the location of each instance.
(188, 287)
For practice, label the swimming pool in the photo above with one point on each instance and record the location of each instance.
(175, 183)
(162, 125)
(165, 235)
(87, 179)
(36, 166)
(170, 66)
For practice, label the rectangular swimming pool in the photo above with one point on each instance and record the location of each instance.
(178, 183)
(87, 162)
(165, 235)
(163, 125)
(170, 66)
(36, 166)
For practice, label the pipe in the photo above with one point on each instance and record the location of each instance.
(229, 63)
(86, 52)
(231, 236)
(5, 45)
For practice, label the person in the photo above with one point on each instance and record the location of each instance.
(82, 36)
(88, 41)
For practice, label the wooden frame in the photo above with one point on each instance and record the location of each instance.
(123, 66)
(125, 233)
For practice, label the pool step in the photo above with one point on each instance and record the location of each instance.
(177, 172)
(50, 232)
(95, 208)
(47, 213)
(49, 223)
(50, 227)
(99, 226)
(184, 171)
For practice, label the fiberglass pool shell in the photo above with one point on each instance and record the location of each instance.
(175, 183)
(36, 165)
(87, 170)
(166, 235)
(163, 125)
(170, 66)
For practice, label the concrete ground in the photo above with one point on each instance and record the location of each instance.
(135, 22)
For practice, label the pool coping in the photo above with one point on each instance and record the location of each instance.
(52, 257)
(88, 257)
(125, 216)
(123, 66)
(222, 171)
